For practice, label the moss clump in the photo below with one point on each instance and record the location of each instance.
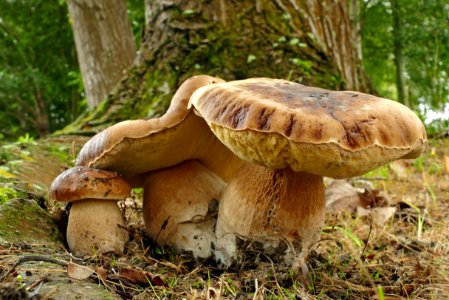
(23, 220)
(7, 193)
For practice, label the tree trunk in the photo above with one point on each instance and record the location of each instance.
(41, 122)
(356, 26)
(305, 41)
(398, 55)
(104, 44)
(330, 23)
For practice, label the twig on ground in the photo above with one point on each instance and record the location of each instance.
(33, 258)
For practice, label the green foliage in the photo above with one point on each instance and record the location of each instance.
(136, 14)
(425, 43)
(25, 138)
(41, 88)
(7, 193)
(38, 65)
(377, 41)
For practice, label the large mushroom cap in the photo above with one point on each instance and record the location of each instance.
(279, 124)
(86, 183)
(139, 146)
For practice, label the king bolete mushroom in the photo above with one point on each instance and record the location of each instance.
(96, 222)
(142, 150)
(293, 135)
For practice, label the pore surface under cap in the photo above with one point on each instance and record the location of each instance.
(278, 123)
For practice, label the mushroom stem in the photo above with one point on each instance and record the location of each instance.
(180, 207)
(278, 212)
(96, 226)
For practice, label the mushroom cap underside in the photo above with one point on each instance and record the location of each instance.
(99, 146)
(136, 147)
(133, 157)
(279, 124)
(80, 183)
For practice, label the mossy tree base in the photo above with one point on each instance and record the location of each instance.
(231, 40)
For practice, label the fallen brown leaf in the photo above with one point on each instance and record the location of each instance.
(140, 277)
(341, 196)
(379, 215)
(401, 167)
(101, 273)
(78, 271)
(372, 198)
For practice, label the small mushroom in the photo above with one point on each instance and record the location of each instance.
(293, 135)
(96, 223)
(137, 149)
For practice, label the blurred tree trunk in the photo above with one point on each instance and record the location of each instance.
(41, 122)
(356, 26)
(306, 41)
(104, 44)
(398, 53)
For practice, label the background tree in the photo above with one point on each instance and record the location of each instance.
(398, 52)
(424, 40)
(40, 87)
(305, 41)
(104, 44)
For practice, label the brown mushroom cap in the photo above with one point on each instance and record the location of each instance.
(139, 146)
(80, 183)
(279, 124)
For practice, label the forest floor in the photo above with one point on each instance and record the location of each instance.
(392, 242)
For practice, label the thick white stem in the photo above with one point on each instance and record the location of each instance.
(180, 206)
(278, 212)
(96, 226)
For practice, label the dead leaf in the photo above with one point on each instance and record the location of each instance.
(78, 271)
(372, 198)
(341, 196)
(379, 215)
(101, 273)
(401, 167)
(140, 277)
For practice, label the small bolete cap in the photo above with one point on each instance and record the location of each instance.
(136, 147)
(80, 183)
(279, 124)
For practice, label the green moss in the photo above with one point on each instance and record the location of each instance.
(7, 193)
(22, 220)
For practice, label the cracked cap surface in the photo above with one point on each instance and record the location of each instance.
(279, 124)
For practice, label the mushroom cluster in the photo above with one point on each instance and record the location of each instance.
(180, 164)
(292, 135)
(238, 166)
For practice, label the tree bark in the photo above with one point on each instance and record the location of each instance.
(330, 23)
(104, 44)
(398, 53)
(356, 26)
(41, 122)
(304, 41)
